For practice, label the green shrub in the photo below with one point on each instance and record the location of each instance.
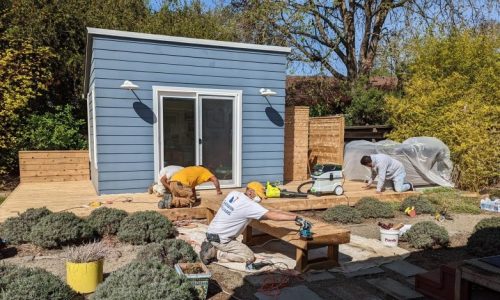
(18, 283)
(367, 105)
(421, 204)
(145, 280)
(17, 230)
(426, 234)
(106, 220)
(493, 222)
(484, 242)
(61, 229)
(145, 227)
(372, 208)
(168, 252)
(343, 214)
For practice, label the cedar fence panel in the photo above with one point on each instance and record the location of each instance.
(326, 140)
(51, 166)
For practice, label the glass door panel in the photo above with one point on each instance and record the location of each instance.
(216, 136)
(179, 134)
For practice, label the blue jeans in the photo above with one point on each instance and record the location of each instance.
(399, 183)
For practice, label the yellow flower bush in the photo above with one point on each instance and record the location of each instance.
(453, 93)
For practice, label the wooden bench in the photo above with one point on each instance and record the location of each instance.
(324, 235)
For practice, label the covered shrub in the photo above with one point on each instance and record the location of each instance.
(426, 234)
(372, 208)
(18, 283)
(106, 220)
(60, 229)
(421, 204)
(168, 252)
(17, 230)
(485, 240)
(145, 280)
(145, 227)
(343, 214)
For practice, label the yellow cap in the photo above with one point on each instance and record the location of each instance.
(258, 188)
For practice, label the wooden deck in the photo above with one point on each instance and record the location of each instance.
(76, 195)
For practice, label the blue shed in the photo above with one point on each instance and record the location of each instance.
(156, 100)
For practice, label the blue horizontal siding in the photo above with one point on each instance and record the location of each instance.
(251, 69)
(125, 141)
(121, 48)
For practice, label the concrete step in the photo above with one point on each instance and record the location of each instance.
(394, 288)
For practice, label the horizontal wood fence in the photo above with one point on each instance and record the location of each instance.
(326, 140)
(372, 133)
(51, 166)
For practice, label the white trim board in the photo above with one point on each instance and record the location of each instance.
(196, 93)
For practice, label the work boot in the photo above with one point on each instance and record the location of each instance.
(207, 252)
(166, 202)
(150, 188)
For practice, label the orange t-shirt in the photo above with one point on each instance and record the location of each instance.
(192, 176)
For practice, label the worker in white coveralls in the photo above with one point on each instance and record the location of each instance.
(386, 168)
(236, 211)
(162, 186)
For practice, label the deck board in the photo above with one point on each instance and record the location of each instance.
(72, 195)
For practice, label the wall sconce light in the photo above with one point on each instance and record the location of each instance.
(267, 92)
(129, 85)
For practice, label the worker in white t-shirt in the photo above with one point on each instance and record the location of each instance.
(163, 183)
(235, 213)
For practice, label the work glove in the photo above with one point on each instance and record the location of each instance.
(299, 221)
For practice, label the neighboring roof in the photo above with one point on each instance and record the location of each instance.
(91, 32)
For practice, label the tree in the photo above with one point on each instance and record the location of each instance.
(342, 37)
(24, 76)
(453, 94)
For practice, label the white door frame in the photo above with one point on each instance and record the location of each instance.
(196, 93)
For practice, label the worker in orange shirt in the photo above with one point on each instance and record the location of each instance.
(184, 182)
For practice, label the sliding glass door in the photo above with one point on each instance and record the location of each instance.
(199, 129)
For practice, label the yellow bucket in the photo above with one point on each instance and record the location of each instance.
(84, 277)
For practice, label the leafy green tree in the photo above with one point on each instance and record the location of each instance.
(54, 131)
(453, 94)
(367, 106)
(24, 76)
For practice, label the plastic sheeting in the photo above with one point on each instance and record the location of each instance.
(426, 159)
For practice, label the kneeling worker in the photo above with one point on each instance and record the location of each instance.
(183, 183)
(236, 211)
(163, 184)
(386, 167)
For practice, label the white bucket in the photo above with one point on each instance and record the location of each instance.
(389, 237)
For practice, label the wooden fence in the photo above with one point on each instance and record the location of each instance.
(326, 139)
(50, 166)
(372, 133)
(296, 142)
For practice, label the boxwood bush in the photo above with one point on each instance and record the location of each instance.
(17, 230)
(373, 208)
(342, 214)
(105, 220)
(145, 280)
(168, 252)
(421, 204)
(485, 240)
(61, 229)
(145, 227)
(426, 234)
(18, 283)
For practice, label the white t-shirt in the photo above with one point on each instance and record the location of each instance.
(169, 171)
(236, 211)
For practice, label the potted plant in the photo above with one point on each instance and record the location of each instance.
(198, 274)
(84, 266)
